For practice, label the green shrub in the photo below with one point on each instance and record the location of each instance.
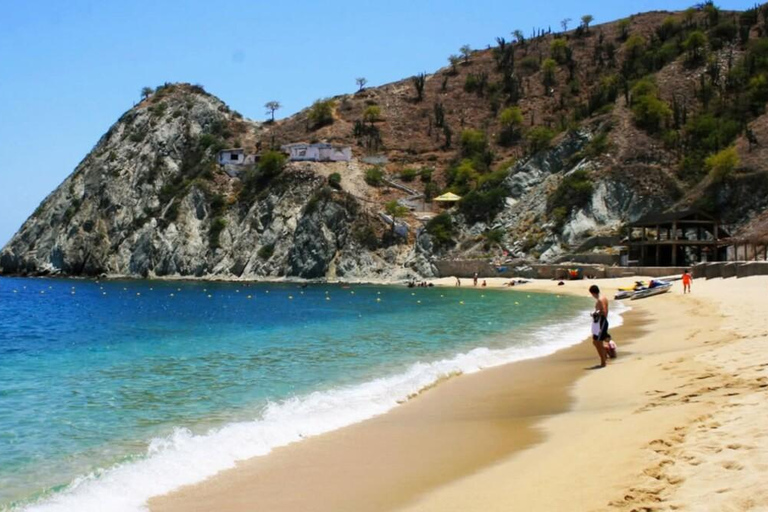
(366, 236)
(271, 164)
(722, 164)
(493, 237)
(431, 190)
(334, 181)
(539, 138)
(511, 121)
(558, 50)
(374, 176)
(482, 205)
(266, 251)
(573, 192)
(372, 114)
(408, 174)
(214, 232)
(529, 65)
(321, 113)
(441, 230)
(473, 142)
(426, 174)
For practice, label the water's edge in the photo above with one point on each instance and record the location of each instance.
(184, 458)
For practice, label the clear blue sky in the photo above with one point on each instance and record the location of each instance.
(69, 69)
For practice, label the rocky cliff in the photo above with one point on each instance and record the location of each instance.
(149, 200)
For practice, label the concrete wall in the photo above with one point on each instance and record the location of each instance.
(730, 269)
(467, 268)
(591, 258)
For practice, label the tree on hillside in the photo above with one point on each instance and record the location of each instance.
(271, 106)
(519, 37)
(548, 70)
(695, 46)
(564, 24)
(321, 113)
(624, 29)
(466, 52)
(361, 83)
(146, 92)
(372, 114)
(511, 121)
(559, 50)
(721, 165)
(454, 60)
(396, 211)
(586, 20)
(418, 82)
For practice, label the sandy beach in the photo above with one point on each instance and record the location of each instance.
(675, 423)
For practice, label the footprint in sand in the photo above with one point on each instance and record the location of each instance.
(732, 465)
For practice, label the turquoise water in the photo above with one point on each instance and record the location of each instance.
(122, 382)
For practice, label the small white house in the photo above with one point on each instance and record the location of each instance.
(234, 156)
(320, 152)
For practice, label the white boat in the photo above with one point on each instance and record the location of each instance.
(658, 289)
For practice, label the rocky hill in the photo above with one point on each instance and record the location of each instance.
(550, 139)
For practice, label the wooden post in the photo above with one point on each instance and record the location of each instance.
(658, 255)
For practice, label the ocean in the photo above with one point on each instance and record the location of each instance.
(114, 392)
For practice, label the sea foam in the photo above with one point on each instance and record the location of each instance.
(184, 458)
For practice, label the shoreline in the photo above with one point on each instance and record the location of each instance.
(675, 422)
(423, 452)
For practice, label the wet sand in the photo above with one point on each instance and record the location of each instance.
(549, 434)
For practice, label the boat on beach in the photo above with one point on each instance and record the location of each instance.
(655, 288)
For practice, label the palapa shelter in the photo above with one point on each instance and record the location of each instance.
(675, 239)
(448, 197)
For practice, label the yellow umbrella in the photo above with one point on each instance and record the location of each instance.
(448, 197)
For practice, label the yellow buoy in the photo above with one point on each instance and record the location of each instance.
(461, 302)
(103, 293)
(517, 303)
(15, 291)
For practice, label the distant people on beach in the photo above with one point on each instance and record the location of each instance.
(474, 280)
(484, 283)
(458, 281)
(600, 324)
(687, 280)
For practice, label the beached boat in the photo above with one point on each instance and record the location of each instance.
(628, 291)
(657, 289)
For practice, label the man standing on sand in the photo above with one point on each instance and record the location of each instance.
(687, 280)
(474, 282)
(599, 323)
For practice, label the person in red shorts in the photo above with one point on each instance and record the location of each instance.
(687, 280)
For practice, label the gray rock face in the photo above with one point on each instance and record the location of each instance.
(149, 201)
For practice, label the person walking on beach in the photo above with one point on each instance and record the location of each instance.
(458, 281)
(687, 280)
(474, 280)
(599, 323)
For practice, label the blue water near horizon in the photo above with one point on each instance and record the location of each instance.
(136, 387)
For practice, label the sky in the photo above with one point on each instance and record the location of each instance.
(69, 69)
